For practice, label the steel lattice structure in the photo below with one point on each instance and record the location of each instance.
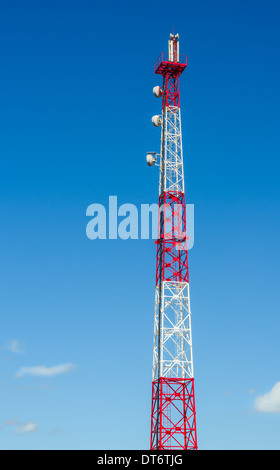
(173, 416)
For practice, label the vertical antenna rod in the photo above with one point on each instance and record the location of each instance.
(173, 416)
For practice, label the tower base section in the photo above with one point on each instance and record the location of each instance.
(173, 420)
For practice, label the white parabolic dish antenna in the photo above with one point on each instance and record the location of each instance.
(151, 159)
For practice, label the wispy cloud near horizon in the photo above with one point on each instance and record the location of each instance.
(20, 428)
(26, 428)
(42, 371)
(13, 346)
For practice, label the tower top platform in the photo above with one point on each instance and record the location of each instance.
(165, 66)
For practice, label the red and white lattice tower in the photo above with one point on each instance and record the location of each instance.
(173, 417)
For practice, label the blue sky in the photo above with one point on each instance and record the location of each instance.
(75, 125)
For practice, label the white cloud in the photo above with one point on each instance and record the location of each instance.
(270, 402)
(26, 428)
(13, 346)
(20, 428)
(42, 371)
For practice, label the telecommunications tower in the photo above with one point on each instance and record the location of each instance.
(173, 417)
